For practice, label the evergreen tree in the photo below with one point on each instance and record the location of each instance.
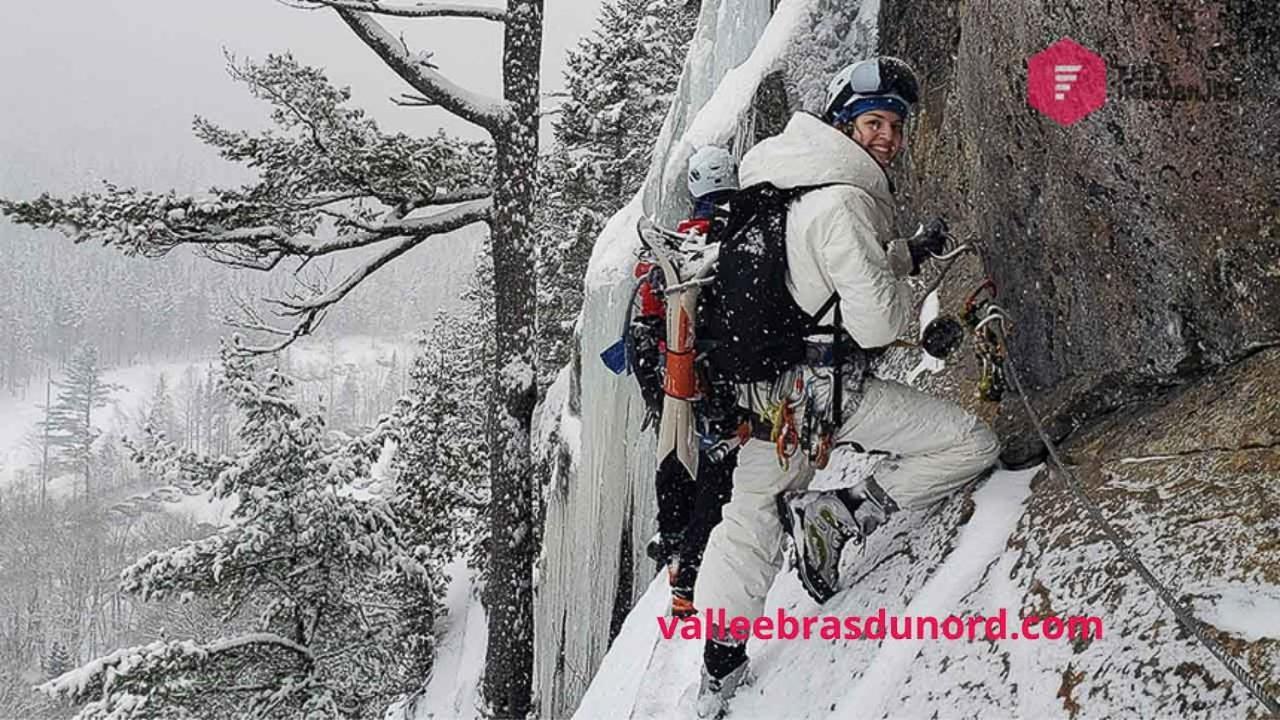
(618, 85)
(346, 407)
(70, 421)
(443, 427)
(58, 661)
(159, 413)
(190, 410)
(318, 571)
(111, 467)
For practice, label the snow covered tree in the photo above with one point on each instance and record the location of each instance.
(442, 425)
(58, 661)
(618, 86)
(390, 385)
(346, 402)
(330, 182)
(442, 466)
(43, 439)
(111, 466)
(562, 262)
(190, 409)
(314, 567)
(159, 413)
(69, 423)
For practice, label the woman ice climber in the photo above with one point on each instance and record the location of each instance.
(839, 257)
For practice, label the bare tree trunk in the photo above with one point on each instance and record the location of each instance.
(508, 677)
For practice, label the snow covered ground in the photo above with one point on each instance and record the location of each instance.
(645, 676)
(453, 690)
(18, 416)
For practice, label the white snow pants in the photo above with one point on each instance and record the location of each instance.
(937, 447)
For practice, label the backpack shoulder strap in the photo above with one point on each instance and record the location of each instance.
(826, 307)
(796, 192)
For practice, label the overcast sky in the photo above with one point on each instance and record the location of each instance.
(98, 89)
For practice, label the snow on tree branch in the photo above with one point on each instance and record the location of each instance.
(329, 181)
(413, 231)
(322, 156)
(313, 576)
(489, 113)
(420, 9)
(137, 682)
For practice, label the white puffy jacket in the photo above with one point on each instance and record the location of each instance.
(837, 236)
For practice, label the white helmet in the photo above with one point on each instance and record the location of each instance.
(712, 169)
(881, 82)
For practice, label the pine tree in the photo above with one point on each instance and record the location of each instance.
(190, 410)
(443, 423)
(619, 83)
(346, 415)
(70, 421)
(45, 434)
(110, 466)
(318, 571)
(159, 414)
(441, 466)
(58, 661)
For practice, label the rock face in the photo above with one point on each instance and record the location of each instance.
(1138, 251)
(1145, 236)
(1191, 478)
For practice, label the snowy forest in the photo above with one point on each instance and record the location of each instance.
(307, 407)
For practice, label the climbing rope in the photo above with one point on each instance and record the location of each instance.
(988, 323)
(994, 322)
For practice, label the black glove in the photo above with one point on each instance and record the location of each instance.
(930, 241)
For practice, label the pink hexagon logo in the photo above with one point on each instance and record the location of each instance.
(1066, 81)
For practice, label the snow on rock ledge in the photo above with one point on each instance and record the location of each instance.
(1199, 509)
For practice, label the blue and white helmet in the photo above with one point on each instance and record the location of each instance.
(712, 169)
(880, 83)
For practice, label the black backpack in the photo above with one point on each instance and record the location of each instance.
(750, 328)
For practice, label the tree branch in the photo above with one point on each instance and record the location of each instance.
(419, 10)
(458, 196)
(411, 100)
(489, 113)
(414, 231)
(324, 199)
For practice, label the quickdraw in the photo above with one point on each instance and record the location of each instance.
(979, 309)
(988, 346)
